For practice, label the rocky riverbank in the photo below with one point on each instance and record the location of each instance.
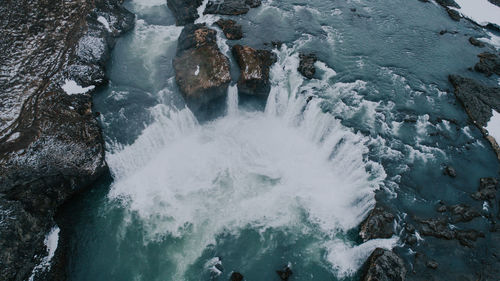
(51, 146)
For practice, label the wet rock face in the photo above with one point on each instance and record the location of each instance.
(477, 99)
(384, 265)
(231, 29)
(306, 65)
(50, 143)
(185, 12)
(254, 66)
(201, 70)
(448, 3)
(488, 64)
(231, 7)
(378, 224)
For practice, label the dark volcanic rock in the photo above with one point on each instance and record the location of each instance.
(495, 2)
(473, 41)
(285, 273)
(201, 70)
(231, 7)
(184, 11)
(50, 143)
(236, 276)
(254, 66)
(487, 189)
(306, 66)
(488, 64)
(477, 99)
(432, 264)
(378, 224)
(231, 29)
(384, 265)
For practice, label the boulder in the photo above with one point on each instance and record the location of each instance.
(201, 70)
(185, 12)
(231, 29)
(378, 224)
(306, 65)
(462, 213)
(448, 3)
(384, 265)
(231, 7)
(254, 67)
(488, 64)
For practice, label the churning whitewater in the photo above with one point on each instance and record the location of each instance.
(291, 168)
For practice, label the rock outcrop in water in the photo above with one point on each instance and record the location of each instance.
(231, 7)
(185, 12)
(378, 224)
(488, 64)
(50, 143)
(478, 101)
(306, 65)
(254, 66)
(285, 273)
(384, 265)
(231, 29)
(487, 189)
(440, 228)
(201, 70)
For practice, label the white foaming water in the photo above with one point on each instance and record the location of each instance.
(51, 241)
(232, 99)
(290, 168)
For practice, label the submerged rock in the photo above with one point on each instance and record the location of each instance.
(285, 273)
(384, 265)
(378, 224)
(201, 70)
(306, 65)
(231, 29)
(236, 276)
(185, 12)
(254, 66)
(488, 64)
(51, 146)
(231, 7)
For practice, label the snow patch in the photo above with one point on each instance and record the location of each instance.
(104, 22)
(493, 126)
(494, 40)
(71, 88)
(51, 241)
(197, 71)
(480, 11)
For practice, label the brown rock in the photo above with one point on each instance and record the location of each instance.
(254, 66)
(201, 70)
(231, 29)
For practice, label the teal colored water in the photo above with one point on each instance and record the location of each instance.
(255, 190)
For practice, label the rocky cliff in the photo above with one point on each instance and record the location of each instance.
(51, 147)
